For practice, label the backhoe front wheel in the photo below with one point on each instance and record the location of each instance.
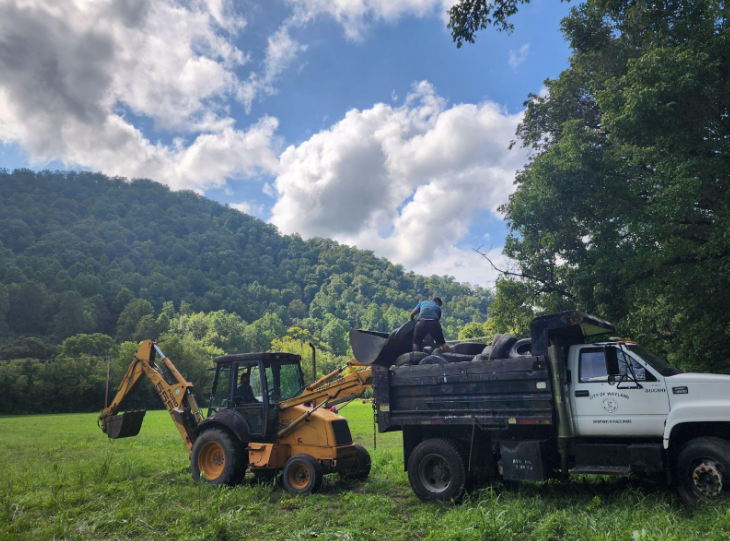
(302, 475)
(220, 458)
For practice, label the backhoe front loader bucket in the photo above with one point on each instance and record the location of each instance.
(370, 347)
(124, 425)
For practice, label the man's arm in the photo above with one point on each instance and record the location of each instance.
(415, 311)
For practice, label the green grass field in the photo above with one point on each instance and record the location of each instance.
(63, 479)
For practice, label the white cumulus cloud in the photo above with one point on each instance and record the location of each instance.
(249, 207)
(403, 181)
(519, 56)
(356, 16)
(75, 75)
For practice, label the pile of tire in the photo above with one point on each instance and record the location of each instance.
(505, 346)
(420, 358)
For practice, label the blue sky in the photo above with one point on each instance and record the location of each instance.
(357, 120)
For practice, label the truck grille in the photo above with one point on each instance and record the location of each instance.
(342, 432)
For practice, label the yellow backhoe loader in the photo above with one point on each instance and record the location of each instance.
(261, 418)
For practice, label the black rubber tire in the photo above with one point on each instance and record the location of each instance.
(521, 348)
(361, 471)
(218, 446)
(302, 475)
(457, 357)
(432, 359)
(703, 470)
(405, 331)
(487, 351)
(481, 358)
(469, 348)
(501, 347)
(412, 357)
(436, 470)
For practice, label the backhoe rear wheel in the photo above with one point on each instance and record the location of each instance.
(219, 456)
(302, 475)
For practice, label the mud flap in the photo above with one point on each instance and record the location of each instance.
(124, 425)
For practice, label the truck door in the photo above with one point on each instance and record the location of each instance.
(634, 404)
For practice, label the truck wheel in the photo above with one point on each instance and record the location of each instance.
(220, 456)
(703, 470)
(361, 469)
(436, 471)
(302, 475)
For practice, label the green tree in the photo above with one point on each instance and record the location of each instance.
(29, 303)
(73, 316)
(131, 317)
(27, 347)
(335, 335)
(259, 334)
(623, 210)
(4, 308)
(467, 17)
(90, 345)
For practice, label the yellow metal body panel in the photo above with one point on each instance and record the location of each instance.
(268, 455)
(314, 436)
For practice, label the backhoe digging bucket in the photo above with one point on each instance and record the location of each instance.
(124, 425)
(370, 347)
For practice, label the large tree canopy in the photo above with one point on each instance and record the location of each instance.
(624, 209)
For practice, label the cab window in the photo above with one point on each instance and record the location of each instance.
(592, 366)
(219, 394)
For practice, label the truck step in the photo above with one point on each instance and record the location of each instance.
(601, 470)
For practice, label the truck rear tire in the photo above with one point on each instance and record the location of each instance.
(302, 475)
(361, 470)
(703, 470)
(220, 456)
(436, 470)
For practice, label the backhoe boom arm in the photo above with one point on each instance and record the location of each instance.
(173, 389)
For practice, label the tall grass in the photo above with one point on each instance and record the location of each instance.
(63, 479)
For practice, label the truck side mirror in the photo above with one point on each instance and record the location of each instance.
(611, 361)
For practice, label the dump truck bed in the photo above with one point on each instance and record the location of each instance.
(495, 394)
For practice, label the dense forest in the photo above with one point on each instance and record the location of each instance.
(88, 263)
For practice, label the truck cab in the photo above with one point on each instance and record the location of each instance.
(633, 402)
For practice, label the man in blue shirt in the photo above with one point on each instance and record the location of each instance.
(429, 314)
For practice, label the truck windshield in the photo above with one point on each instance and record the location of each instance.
(657, 363)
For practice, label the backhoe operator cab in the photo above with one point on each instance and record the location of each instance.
(251, 384)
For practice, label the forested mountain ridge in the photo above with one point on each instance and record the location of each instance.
(77, 249)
